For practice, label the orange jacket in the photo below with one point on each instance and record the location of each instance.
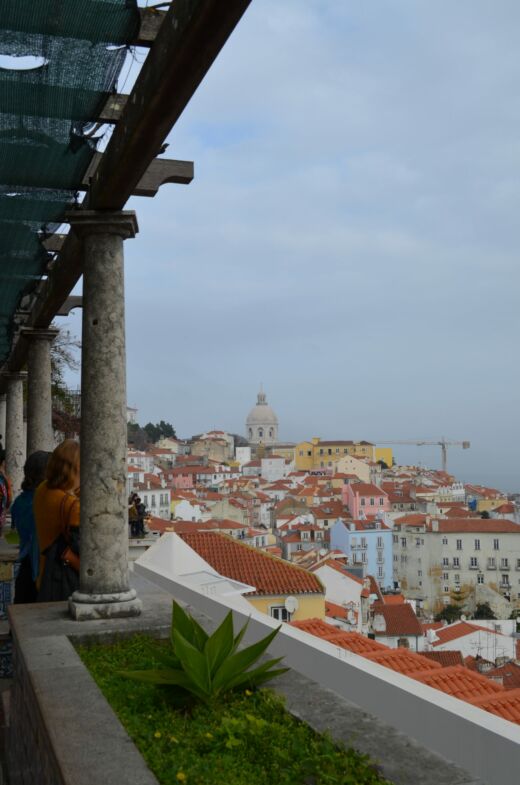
(55, 511)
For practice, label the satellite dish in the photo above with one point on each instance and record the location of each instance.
(323, 551)
(462, 617)
(291, 604)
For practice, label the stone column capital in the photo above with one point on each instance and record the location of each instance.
(89, 222)
(14, 376)
(37, 333)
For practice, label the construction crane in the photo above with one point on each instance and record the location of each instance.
(442, 443)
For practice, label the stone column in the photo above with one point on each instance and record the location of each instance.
(3, 405)
(14, 441)
(40, 435)
(104, 583)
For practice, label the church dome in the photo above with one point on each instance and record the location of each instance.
(262, 422)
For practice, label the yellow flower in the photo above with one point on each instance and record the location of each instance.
(181, 776)
(157, 734)
(248, 693)
(209, 735)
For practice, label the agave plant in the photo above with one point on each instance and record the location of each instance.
(209, 665)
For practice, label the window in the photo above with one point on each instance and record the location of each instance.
(445, 562)
(329, 451)
(362, 502)
(381, 501)
(345, 451)
(280, 613)
(459, 545)
(477, 545)
(491, 563)
(146, 501)
(396, 540)
(299, 547)
(379, 542)
(456, 577)
(504, 564)
(404, 559)
(337, 450)
(403, 542)
(364, 557)
(456, 561)
(380, 572)
(309, 453)
(444, 540)
(518, 564)
(480, 578)
(261, 432)
(153, 501)
(301, 453)
(418, 542)
(445, 576)
(419, 573)
(446, 589)
(363, 542)
(473, 562)
(396, 558)
(372, 501)
(496, 545)
(321, 450)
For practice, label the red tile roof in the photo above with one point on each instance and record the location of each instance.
(241, 562)
(460, 682)
(403, 661)
(367, 489)
(509, 675)
(481, 525)
(505, 704)
(458, 630)
(335, 610)
(399, 619)
(445, 658)
(352, 641)
(393, 599)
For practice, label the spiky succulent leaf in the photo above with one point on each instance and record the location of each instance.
(241, 661)
(219, 645)
(193, 662)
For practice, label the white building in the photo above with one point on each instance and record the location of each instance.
(434, 558)
(473, 639)
(262, 422)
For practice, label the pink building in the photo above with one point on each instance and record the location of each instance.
(364, 500)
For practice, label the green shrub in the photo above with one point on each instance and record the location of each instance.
(207, 666)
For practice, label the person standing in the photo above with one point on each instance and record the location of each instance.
(56, 512)
(5, 491)
(22, 517)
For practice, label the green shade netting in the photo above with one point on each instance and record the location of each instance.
(46, 114)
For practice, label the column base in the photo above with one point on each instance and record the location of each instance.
(88, 607)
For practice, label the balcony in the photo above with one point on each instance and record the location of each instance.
(474, 567)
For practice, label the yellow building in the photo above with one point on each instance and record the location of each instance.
(275, 580)
(385, 454)
(317, 454)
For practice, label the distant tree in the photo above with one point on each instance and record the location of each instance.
(485, 514)
(159, 431)
(484, 611)
(167, 430)
(383, 464)
(137, 436)
(63, 358)
(449, 613)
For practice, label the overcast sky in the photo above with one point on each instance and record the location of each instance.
(351, 236)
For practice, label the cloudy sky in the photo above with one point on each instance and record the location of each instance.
(350, 238)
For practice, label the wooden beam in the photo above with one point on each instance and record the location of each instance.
(151, 20)
(189, 39)
(54, 243)
(160, 172)
(69, 304)
(113, 108)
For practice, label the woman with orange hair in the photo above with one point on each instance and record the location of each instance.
(56, 512)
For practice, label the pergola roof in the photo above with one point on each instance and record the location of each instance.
(46, 113)
(47, 131)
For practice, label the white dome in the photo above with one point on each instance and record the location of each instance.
(262, 422)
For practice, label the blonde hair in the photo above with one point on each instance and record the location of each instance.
(63, 467)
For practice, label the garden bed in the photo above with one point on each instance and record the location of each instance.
(247, 738)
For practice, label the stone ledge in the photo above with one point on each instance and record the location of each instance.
(85, 743)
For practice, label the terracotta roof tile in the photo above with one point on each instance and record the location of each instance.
(400, 619)
(460, 682)
(403, 661)
(393, 599)
(509, 674)
(481, 525)
(458, 630)
(241, 562)
(352, 641)
(505, 704)
(444, 658)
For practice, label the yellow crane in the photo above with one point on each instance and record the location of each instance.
(442, 443)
